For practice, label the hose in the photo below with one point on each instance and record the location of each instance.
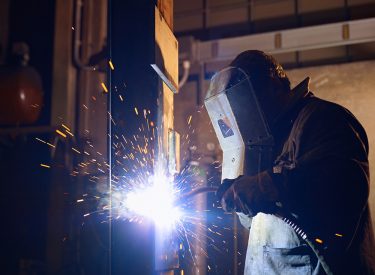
(299, 231)
(289, 220)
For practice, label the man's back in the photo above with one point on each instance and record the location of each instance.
(325, 184)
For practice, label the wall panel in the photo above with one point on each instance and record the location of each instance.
(268, 9)
(305, 6)
(227, 16)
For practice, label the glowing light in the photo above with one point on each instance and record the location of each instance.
(155, 202)
(319, 241)
(111, 65)
(22, 95)
(45, 142)
(45, 165)
(61, 133)
(38, 139)
(338, 235)
(104, 87)
(69, 133)
(66, 127)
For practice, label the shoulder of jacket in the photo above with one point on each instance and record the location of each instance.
(329, 115)
(322, 109)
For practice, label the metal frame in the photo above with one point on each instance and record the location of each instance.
(307, 38)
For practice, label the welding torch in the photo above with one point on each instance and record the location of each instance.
(196, 191)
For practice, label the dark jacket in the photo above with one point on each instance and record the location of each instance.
(325, 181)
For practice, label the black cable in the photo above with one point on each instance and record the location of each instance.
(288, 219)
(299, 231)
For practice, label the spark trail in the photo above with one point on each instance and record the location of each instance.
(141, 190)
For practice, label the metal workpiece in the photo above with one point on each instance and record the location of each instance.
(140, 39)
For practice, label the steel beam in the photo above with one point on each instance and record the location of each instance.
(306, 38)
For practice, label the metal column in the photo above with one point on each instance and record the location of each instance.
(138, 37)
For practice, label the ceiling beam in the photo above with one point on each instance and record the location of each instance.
(299, 39)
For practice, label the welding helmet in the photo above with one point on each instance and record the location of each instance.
(239, 124)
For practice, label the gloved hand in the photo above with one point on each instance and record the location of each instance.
(249, 194)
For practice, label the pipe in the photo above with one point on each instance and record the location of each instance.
(184, 78)
(77, 41)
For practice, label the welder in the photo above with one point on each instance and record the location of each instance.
(288, 152)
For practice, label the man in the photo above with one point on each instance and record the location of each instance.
(320, 178)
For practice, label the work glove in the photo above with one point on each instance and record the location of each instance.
(249, 194)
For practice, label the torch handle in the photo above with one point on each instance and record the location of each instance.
(196, 191)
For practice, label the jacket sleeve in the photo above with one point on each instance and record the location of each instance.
(329, 186)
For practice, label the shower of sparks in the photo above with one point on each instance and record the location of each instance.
(45, 142)
(142, 191)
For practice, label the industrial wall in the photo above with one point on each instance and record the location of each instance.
(208, 14)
